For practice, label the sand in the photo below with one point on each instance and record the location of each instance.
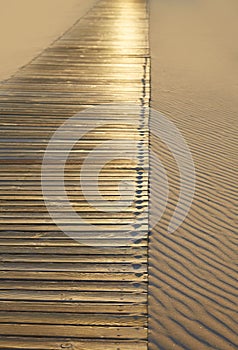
(27, 27)
(194, 83)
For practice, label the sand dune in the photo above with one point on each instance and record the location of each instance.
(27, 27)
(194, 82)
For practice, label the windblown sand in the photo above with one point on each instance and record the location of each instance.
(29, 26)
(193, 282)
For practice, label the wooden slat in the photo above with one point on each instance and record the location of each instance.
(74, 331)
(30, 343)
(132, 309)
(72, 319)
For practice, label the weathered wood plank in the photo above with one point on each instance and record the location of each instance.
(74, 276)
(133, 309)
(97, 332)
(72, 319)
(30, 343)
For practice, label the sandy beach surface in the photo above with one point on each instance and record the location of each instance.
(27, 27)
(194, 84)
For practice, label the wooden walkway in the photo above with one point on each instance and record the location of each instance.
(56, 292)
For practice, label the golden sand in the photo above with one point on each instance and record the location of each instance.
(27, 27)
(194, 83)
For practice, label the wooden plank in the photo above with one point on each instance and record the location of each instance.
(97, 332)
(72, 319)
(47, 258)
(111, 286)
(132, 309)
(30, 343)
(87, 296)
(73, 276)
(73, 267)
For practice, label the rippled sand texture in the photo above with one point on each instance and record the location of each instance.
(193, 272)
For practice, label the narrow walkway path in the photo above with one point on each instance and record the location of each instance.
(57, 292)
